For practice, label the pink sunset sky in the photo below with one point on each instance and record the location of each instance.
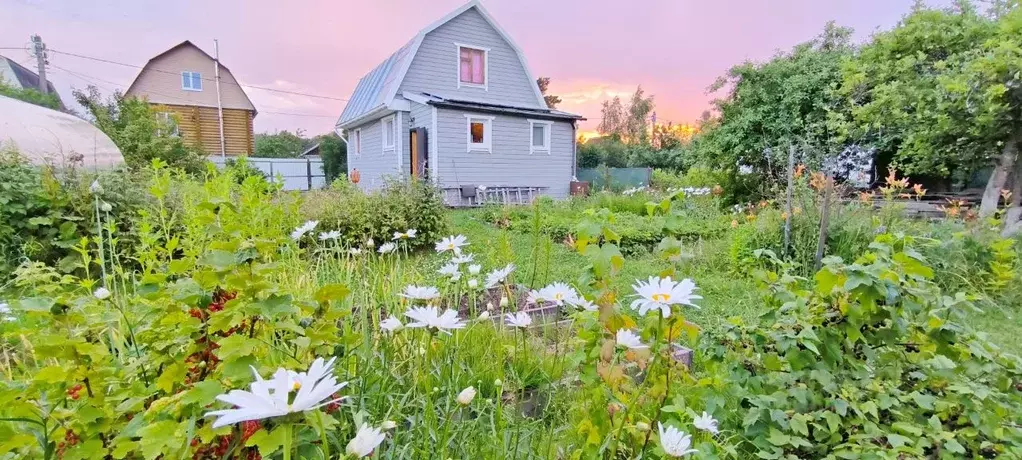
(591, 49)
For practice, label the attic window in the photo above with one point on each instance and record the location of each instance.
(472, 63)
(191, 81)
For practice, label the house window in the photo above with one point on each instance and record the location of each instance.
(479, 133)
(389, 133)
(358, 142)
(472, 66)
(168, 125)
(191, 81)
(539, 136)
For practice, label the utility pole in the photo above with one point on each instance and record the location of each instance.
(39, 49)
(219, 104)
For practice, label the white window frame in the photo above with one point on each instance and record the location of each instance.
(383, 133)
(358, 142)
(548, 128)
(487, 144)
(190, 79)
(486, 66)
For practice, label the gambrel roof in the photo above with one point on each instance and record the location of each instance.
(376, 91)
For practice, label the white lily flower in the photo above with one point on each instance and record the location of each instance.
(102, 293)
(499, 276)
(420, 292)
(675, 442)
(661, 293)
(331, 235)
(474, 269)
(366, 440)
(285, 393)
(706, 422)
(430, 317)
(386, 248)
(630, 340)
(452, 243)
(466, 396)
(391, 324)
(519, 319)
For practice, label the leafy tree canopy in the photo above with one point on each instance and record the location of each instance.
(282, 144)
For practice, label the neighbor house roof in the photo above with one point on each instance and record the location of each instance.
(227, 78)
(46, 136)
(13, 73)
(376, 91)
(484, 107)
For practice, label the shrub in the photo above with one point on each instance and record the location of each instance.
(398, 206)
(870, 359)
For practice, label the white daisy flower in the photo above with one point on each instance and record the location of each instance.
(391, 324)
(451, 270)
(386, 248)
(420, 292)
(301, 230)
(287, 392)
(452, 243)
(474, 269)
(462, 259)
(331, 235)
(102, 293)
(355, 251)
(630, 340)
(674, 442)
(584, 304)
(366, 440)
(558, 293)
(519, 319)
(410, 233)
(499, 276)
(95, 187)
(661, 293)
(430, 317)
(706, 422)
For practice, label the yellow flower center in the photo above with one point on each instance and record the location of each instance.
(296, 386)
(450, 246)
(662, 298)
(558, 296)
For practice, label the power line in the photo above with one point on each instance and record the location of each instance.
(298, 114)
(296, 93)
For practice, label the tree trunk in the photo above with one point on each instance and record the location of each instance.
(1003, 168)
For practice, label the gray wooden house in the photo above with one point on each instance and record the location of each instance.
(458, 105)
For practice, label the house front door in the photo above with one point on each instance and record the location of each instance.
(418, 153)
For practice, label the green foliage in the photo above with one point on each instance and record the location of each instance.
(870, 359)
(30, 95)
(241, 169)
(769, 106)
(396, 207)
(334, 153)
(282, 144)
(141, 136)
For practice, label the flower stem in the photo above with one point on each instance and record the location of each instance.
(287, 441)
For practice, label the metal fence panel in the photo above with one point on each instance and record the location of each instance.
(295, 173)
(615, 178)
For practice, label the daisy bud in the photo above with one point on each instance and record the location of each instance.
(466, 396)
(489, 305)
(503, 302)
(102, 293)
(389, 425)
(473, 283)
(370, 243)
(474, 269)
(105, 207)
(642, 426)
(484, 316)
(498, 383)
(95, 187)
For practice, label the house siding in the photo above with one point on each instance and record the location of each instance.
(374, 165)
(199, 127)
(510, 164)
(160, 81)
(434, 68)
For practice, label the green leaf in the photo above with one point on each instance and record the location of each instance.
(39, 304)
(777, 438)
(51, 374)
(798, 424)
(171, 375)
(203, 393)
(897, 440)
(236, 346)
(218, 259)
(924, 401)
(954, 447)
(157, 437)
(274, 306)
(267, 441)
